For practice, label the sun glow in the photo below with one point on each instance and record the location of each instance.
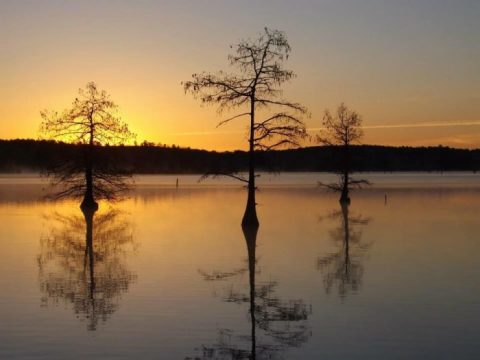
(411, 84)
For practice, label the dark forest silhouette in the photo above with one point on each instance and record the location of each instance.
(282, 324)
(39, 156)
(82, 262)
(256, 86)
(343, 269)
(90, 121)
(90, 164)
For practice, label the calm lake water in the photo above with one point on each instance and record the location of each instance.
(171, 275)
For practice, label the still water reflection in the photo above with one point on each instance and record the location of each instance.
(282, 324)
(82, 262)
(343, 269)
(170, 274)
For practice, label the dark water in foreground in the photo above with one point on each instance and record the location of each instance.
(171, 275)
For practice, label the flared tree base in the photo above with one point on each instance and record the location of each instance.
(89, 204)
(250, 218)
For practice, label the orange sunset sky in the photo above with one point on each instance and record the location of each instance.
(411, 68)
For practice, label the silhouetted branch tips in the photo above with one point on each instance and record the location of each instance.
(218, 174)
(91, 121)
(343, 129)
(255, 85)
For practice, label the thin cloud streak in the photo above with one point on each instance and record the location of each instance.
(406, 126)
(195, 133)
(467, 123)
(367, 127)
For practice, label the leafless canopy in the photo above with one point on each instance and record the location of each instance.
(256, 84)
(343, 128)
(90, 122)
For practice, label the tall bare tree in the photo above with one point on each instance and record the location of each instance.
(343, 129)
(255, 85)
(91, 121)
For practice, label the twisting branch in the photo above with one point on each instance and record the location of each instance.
(256, 84)
(343, 129)
(223, 122)
(217, 174)
(90, 122)
(352, 183)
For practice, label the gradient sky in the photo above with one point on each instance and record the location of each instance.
(410, 67)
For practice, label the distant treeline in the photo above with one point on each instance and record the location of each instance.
(33, 155)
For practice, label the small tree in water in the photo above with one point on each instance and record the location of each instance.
(256, 85)
(343, 129)
(91, 121)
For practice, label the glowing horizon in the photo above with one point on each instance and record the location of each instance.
(410, 70)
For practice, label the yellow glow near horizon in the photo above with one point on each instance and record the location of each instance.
(399, 66)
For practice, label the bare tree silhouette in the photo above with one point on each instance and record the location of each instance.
(344, 269)
(256, 85)
(343, 129)
(83, 262)
(90, 121)
(282, 323)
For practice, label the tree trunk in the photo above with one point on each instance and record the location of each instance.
(88, 199)
(345, 198)
(250, 215)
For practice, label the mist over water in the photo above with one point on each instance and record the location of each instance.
(168, 272)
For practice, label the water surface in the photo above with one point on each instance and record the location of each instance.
(170, 274)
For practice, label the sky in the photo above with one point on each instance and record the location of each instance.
(409, 67)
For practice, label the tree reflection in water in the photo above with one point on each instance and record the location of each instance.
(343, 269)
(82, 262)
(275, 324)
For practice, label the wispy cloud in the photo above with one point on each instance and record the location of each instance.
(413, 125)
(199, 133)
(366, 127)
